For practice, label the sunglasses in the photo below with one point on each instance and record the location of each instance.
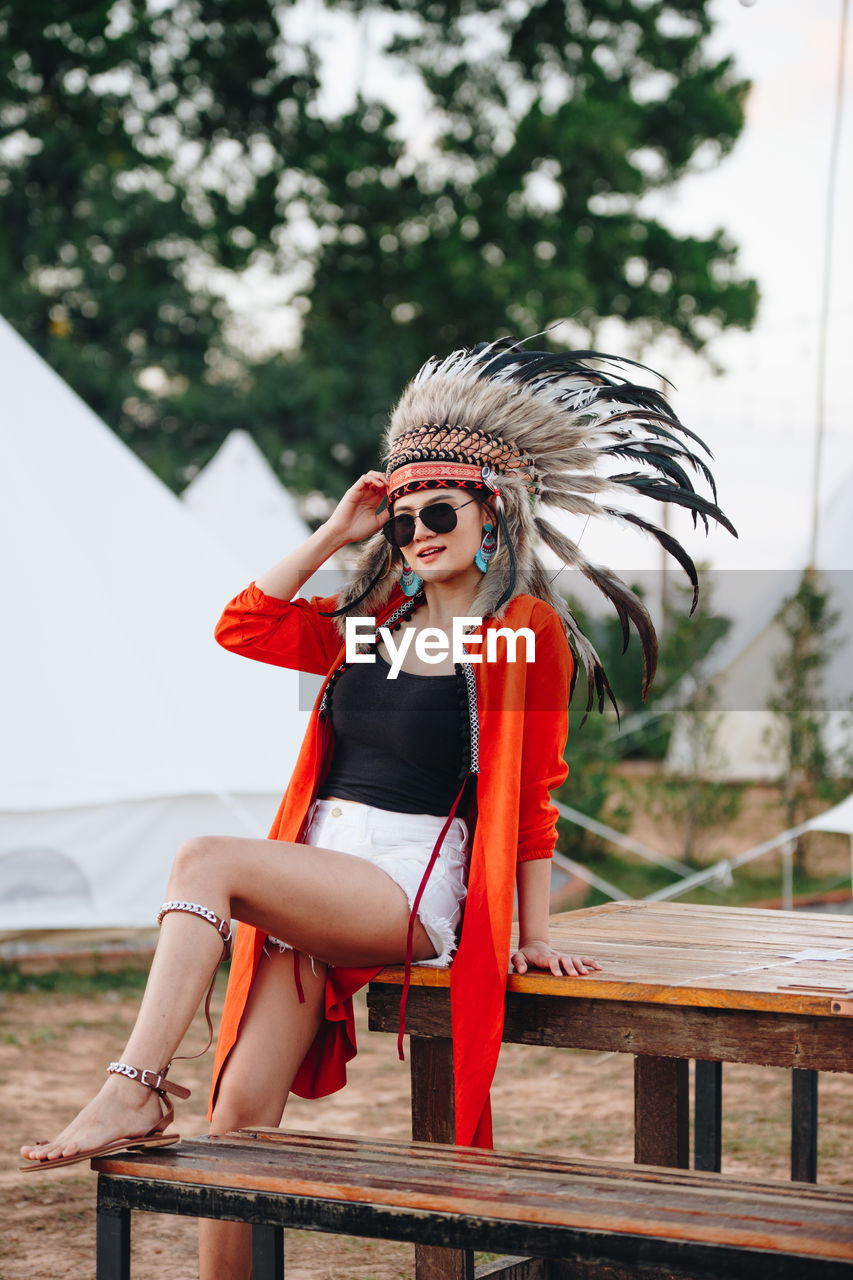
(438, 517)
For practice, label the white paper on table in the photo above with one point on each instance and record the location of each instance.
(818, 953)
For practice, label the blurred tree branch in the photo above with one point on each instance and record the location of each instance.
(152, 158)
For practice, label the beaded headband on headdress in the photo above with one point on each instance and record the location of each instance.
(453, 457)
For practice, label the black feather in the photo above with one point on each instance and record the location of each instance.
(653, 421)
(663, 491)
(659, 460)
(509, 354)
(669, 544)
(508, 593)
(628, 606)
(683, 455)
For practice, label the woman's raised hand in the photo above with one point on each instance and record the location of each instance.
(355, 517)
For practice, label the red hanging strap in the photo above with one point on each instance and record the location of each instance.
(413, 915)
(297, 978)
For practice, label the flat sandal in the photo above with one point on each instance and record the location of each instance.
(155, 1137)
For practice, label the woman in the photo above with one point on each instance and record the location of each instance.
(420, 795)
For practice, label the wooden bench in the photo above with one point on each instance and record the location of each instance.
(598, 1219)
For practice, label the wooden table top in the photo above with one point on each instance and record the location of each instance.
(682, 954)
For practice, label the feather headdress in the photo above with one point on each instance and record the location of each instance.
(530, 429)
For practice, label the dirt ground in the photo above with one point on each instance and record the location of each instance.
(53, 1050)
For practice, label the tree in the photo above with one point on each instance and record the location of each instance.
(801, 704)
(552, 121)
(142, 148)
(689, 798)
(688, 801)
(151, 156)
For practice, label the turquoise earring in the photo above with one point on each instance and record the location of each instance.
(487, 549)
(410, 583)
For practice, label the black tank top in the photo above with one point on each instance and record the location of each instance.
(398, 743)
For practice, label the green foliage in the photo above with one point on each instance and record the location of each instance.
(757, 882)
(685, 641)
(693, 804)
(695, 808)
(69, 981)
(87, 976)
(591, 753)
(141, 151)
(152, 156)
(594, 744)
(689, 800)
(801, 705)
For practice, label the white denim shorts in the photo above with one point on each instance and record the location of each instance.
(400, 844)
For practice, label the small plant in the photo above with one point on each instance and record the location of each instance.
(809, 777)
(690, 798)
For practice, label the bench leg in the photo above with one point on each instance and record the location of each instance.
(431, 1062)
(662, 1112)
(267, 1252)
(112, 1250)
(803, 1125)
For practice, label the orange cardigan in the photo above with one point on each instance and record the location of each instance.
(522, 719)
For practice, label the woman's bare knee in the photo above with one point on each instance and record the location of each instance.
(235, 1110)
(197, 863)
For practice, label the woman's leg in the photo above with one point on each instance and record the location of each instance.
(275, 1034)
(339, 908)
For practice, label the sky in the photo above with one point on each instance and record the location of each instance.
(770, 193)
(759, 416)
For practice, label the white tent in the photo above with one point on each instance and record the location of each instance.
(742, 669)
(124, 728)
(239, 498)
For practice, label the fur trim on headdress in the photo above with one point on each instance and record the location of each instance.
(549, 425)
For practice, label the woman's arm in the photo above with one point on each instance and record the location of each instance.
(533, 880)
(266, 624)
(284, 579)
(353, 519)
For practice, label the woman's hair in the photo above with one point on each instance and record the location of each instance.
(524, 429)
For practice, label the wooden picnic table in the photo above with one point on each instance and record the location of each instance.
(679, 982)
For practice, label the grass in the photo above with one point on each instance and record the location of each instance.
(758, 882)
(15, 979)
(72, 978)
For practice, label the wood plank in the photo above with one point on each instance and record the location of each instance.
(662, 1111)
(766, 1039)
(431, 1066)
(445, 1159)
(491, 1188)
(595, 1254)
(582, 1270)
(713, 957)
